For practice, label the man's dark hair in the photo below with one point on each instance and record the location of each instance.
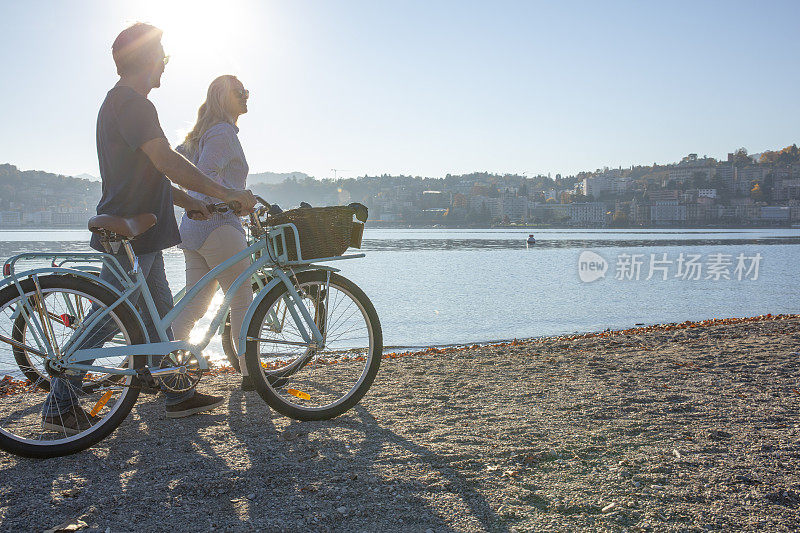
(135, 46)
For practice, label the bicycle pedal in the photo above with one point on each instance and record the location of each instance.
(146, 378)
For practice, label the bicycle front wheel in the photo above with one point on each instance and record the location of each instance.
(305, 382)
(33, 422)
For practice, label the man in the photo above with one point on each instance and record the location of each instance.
(136, 166)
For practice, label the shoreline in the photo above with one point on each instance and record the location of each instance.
(377, 224)
(416, 350)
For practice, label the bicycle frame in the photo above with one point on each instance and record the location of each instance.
(134, 283)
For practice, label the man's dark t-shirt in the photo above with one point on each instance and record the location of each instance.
(131, 183)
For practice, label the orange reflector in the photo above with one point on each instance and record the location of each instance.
(100, 403)
(299, 394)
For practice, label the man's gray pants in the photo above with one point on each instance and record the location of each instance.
(64, 391)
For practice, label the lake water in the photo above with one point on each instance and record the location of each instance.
(434, 287)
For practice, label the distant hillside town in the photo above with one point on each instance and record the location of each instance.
(33, 198)
(741, 190)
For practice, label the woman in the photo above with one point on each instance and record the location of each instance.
(214, 147)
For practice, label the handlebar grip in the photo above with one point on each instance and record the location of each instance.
(263, 202)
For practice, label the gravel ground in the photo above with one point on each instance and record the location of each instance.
(688, 427)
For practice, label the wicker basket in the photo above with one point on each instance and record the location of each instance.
(324, 231)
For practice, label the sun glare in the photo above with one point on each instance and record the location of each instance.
(198, 34)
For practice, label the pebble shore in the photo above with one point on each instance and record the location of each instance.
(680, 427)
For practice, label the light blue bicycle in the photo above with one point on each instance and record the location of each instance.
(33, 367)
(311, 339)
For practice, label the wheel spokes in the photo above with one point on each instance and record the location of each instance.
(310, 377)
(28, 412)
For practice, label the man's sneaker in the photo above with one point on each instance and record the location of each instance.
(196, 404)
(247, 384)
(72, 422)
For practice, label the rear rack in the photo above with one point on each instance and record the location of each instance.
(90, 262)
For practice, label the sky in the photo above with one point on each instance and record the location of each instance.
(421, 88)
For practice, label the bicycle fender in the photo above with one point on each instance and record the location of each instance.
(248, 316)
(319, 267)
(260, 295)
(92, 277)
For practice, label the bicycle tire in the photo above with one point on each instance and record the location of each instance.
(124, 315)
(261, 379)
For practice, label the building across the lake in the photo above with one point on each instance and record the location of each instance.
(10, 219)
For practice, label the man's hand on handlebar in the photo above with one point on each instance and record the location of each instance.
(197, 210)
(241, 201)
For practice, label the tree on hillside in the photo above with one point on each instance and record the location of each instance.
(787, 156)
(699, 180)
(768, 158)
(740, 157)
(756, 193)
(579, 197)
(619, 220)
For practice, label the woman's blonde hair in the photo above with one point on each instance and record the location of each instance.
(212, 111)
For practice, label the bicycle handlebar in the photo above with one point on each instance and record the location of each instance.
(224, 207)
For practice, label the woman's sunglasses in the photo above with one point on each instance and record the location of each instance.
(244, 94)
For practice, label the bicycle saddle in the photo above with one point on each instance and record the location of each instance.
(128, 227)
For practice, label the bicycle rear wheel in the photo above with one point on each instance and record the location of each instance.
(69, 309)
(97, 409)
(307, 383)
